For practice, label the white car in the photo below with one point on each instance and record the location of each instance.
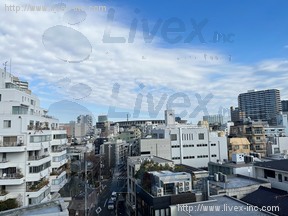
(110, 204)
(114, 196)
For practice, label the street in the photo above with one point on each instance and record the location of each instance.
(117, 184)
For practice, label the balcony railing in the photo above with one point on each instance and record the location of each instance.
(37, 157)
(58, 149)
(12, 176)
(11, 144)
(3, 192)
(57, 172)
(38, 128)
(37, 187)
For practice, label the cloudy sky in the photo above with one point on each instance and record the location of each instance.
(139, 57)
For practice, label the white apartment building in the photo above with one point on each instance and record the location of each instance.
(32, 147)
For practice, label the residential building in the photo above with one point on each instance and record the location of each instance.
(237, 115)
(32, 147)
(262, 105)
(115, 152)
(284, 104)
(282, 120)
(236, 186)
(130, 123)
(275, 172)
(166, 189)
(133, 165)
(102, 118)
(238, 145)
(50, 208)
(216, 119)
(254, 132)
(85, 119)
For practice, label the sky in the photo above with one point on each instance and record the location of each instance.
(138, 58)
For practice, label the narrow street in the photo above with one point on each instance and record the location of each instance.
(116, 184)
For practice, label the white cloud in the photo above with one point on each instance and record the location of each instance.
(161, 69)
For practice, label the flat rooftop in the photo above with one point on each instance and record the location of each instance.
(141, 159)
(237, 182)
(281, 165)
(220, 205)
(56, 207)
(167, 173)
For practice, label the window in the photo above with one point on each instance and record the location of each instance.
(201, 136)
(280, 177)
(7, 124)
(19, 110)
(285, 178)
(236, 147)
(213, 144)
(173, 137)
(0, 97)
(245, 146)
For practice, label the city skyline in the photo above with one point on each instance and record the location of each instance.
(104, 73)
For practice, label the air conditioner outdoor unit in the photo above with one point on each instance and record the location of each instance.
(187, 186)
(160, 191)
(181, 187)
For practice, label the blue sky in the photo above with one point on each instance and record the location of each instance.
(72, 69)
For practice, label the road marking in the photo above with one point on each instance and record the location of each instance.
(105, 202)
(98, 210)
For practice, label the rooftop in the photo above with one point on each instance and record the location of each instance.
(281, 165)
(167, 173)
(231, 164)
(237, 181)
(268, 197)
(140, 159)
(56, 207)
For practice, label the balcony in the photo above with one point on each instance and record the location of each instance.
(58, 172)
(38, 160)
(3, 195)
(37, 157)
(12, 146)
(39, 175)
(57, 187)
(5, 164)
(36, 190)
(258, 140)
(38, 186)
(58, 149)
(12, 179)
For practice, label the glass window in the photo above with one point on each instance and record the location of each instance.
(7, 124)
(201, 136)
(173, 137)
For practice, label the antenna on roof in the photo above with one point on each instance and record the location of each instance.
(5, 65)
(10, 66)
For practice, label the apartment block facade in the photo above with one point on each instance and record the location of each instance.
(32, 147)
(261, 105)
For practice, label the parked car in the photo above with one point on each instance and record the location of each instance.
(110, 204)
(114, 196)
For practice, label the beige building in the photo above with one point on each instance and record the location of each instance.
(254, 132)
(238, 145)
